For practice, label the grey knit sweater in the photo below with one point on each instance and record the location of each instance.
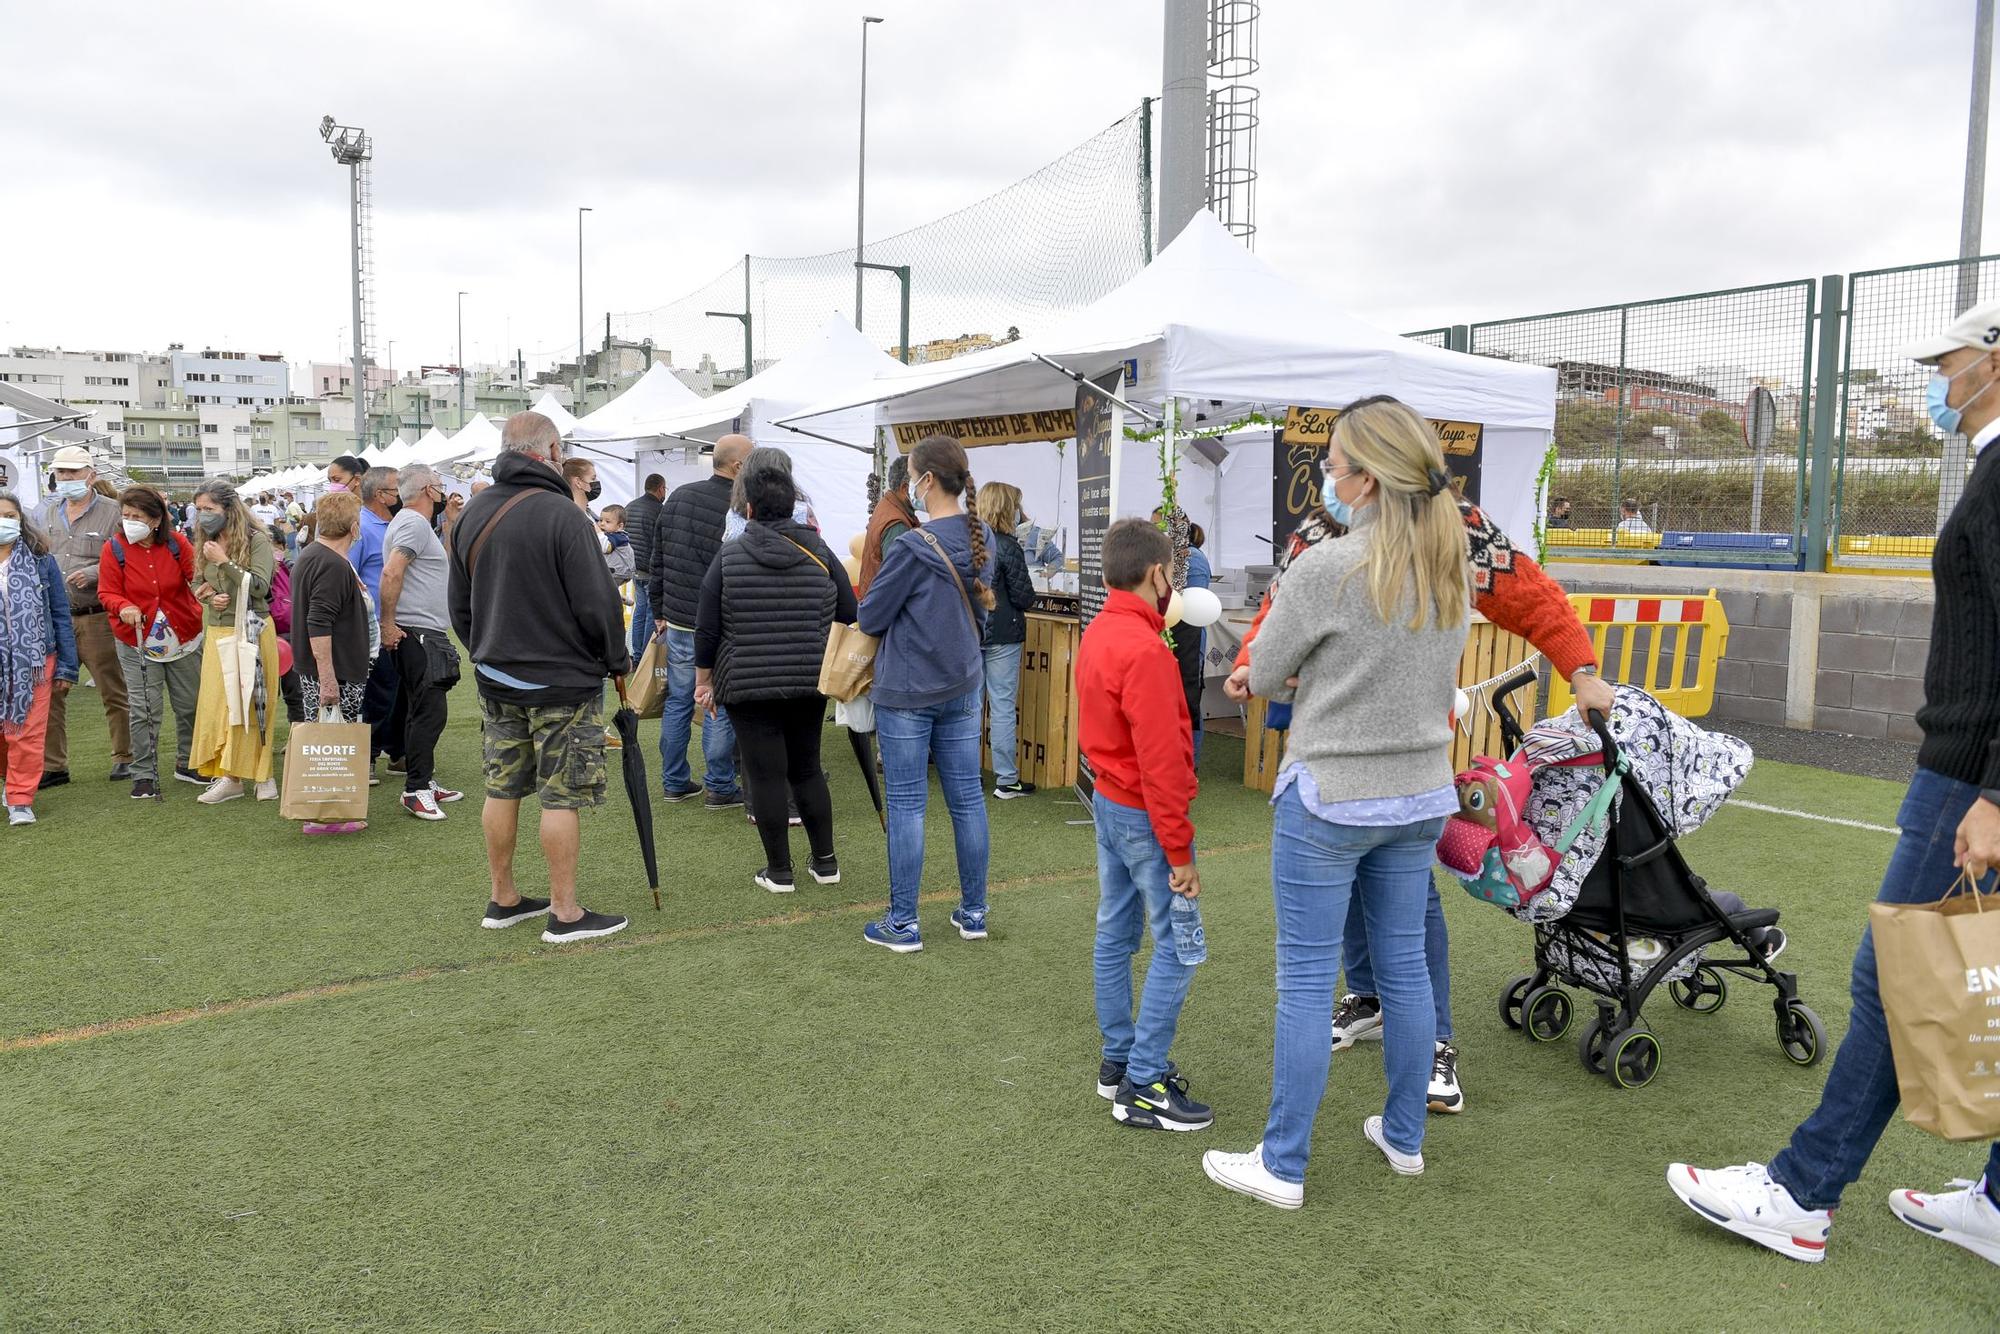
(1371, 714)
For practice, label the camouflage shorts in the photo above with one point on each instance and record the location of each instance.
(556, 751)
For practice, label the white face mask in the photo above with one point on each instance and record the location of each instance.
(10, 531)
(137, 530)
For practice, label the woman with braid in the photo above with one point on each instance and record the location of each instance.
(1513, 592)
(928, 605)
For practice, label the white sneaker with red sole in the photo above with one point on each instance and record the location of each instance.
(1746, 1201)
(1964, 1216)
(422, 804)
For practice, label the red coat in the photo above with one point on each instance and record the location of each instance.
(150, 579)
(1132, 719)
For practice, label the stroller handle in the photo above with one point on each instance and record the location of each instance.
(1602, 726)
(1510, 726)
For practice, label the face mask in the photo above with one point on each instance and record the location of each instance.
(1337, 509)
(336, 486)
(916, 501)
(209, 521)
(1942, 413)
(1163, 600)
(137, 530)
(593, 491)
(395, 508)
(10, 532)
(72, 490)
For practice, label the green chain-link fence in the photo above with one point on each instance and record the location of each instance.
(1896, 475)
(1006, 266)
(1680, 423)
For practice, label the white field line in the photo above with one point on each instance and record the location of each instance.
(1762, 809)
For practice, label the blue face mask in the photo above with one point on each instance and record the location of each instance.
(72, 490)
(1339, 510)
(10, 532)
(916, 501)
(1937, 394)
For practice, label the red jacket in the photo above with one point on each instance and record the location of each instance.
(1133, 719)
(149, 580)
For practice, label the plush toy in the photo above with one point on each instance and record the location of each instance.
(1493, 797)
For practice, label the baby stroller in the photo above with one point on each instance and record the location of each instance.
(1640, 889)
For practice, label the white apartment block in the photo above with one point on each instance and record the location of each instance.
(106, 383)
(215, 378)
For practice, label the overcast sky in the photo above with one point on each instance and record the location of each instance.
(1421, 164)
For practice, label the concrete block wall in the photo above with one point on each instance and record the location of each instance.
(1834, 653)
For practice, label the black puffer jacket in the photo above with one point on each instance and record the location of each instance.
(642, 516)
(765, 607)
(1013, 592)
(685, 540)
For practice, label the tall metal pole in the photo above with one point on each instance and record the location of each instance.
(861, 175)
(749, 360)
(1972, 217)
(360, 379)
(1183, 159)
(461, 363)
(579, 309)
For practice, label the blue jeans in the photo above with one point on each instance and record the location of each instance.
(1829, 1150)
(947, 734)
(1316, 867)
(1437, 953)
(1003, 686)
(718, 738)
(642, 618)
(1132, 894)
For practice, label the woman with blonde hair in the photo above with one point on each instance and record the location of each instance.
(1006, 631)
(1365, 642)
(236, 561)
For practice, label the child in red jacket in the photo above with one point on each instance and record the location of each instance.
(1133, 725)
(143, 575)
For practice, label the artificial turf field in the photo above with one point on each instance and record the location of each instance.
(253, 1081)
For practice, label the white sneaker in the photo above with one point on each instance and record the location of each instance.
(1246, 1174)
(1964, 1216)
(221, 790)
(1356, 1019)
(267, 790)
(1405, 1164)
(1445, 1095)
(1746, 1201)
(20, 815)
(422, 804)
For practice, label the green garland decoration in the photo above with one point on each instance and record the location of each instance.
(1543, 480)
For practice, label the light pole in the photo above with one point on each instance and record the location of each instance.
(392, 390)
(351, 149)
(861, 174)
(579, 309)
(461, 363)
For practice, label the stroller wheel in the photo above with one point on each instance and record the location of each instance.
(1801, 1035)
(1704, 992)
(1510, 1000)
(1590, 1046)
(1547, 1013)
(1632, 1058)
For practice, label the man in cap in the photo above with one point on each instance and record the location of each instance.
(1949, 823)
(79, 522)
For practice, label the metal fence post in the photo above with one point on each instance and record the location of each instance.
(1618, 427)
(1826, 398)
(1459, 338)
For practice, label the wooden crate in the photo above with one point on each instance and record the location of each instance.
(1047, 724)
(1489, 651)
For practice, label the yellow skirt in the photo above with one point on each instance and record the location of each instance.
(235, 752)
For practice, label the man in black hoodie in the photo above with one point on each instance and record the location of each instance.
(537, 612)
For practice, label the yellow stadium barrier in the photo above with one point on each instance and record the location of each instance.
(1670, 647)
(1593, 540)
(1880, 554)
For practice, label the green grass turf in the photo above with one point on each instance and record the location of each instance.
(739, 1116)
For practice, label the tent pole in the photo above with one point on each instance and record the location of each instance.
(800, 430)
(1080, 378)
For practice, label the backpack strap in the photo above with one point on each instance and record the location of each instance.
(118, 551)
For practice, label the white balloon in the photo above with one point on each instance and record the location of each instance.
(1174, 610)
(1199, 607)
(1461, 704)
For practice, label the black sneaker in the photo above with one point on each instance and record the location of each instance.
(1110, 1074)
(587, 927)
(778, 882)
(189, 776)
(498, 918)
(1163, 1105)
(1013, 790)
(144, 789)
(675, 796)
(1356, 1019)
(825, 870)
(54, 778)
(721, 801)
(120, 773)
(399, 766)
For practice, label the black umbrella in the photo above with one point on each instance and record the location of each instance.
(637, 789)
(864, 751)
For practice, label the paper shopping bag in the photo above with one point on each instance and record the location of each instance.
(1939, 970)
(326, 773)
(648, 689)
(848, 667)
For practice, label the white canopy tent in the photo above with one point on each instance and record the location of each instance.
(616, 432)
(477, 443)
(437, 449)
(1211, 325)
(555, 412)
(832, 469)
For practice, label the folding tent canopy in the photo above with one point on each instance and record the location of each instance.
(555, 412)
(1211, 325)
(831, 464)
(617, 431)
(476, 443)
(436, 448)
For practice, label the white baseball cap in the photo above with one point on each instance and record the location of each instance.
(71, 456)
(1978, 328)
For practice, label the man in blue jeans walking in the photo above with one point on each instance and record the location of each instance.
(1949, 822)
(685, 540)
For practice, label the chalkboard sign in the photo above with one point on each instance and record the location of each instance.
(1099, 428)
(1298, 456)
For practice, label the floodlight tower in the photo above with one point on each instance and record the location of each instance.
(352, 148)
